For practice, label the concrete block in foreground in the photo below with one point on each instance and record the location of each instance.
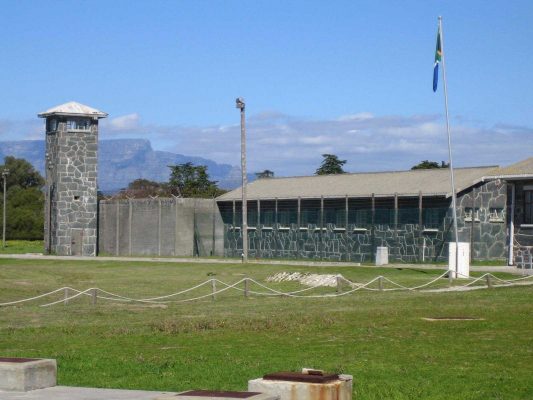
(217, 395)
(337, 389)
(24, 374)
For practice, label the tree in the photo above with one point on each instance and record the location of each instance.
(188, 180)
(331, 165)
(25, 200)
(142, 188)
(426, 164)
(264, 174)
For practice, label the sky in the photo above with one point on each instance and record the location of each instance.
(352, 78)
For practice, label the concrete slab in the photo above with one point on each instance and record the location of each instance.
(23, 374)
(79, 393)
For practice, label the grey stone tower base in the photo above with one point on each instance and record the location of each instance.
(71, 179)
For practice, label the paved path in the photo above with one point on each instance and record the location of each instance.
(78, 393)
(443, 267)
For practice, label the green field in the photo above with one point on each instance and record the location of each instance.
(379, 337)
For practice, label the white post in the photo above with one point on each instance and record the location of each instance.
(452, 180)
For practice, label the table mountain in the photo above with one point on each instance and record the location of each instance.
(123, 160)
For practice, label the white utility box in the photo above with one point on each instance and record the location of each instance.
(382, 255)
(463, 270)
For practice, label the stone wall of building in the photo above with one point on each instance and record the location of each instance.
(523, 235)
(482, 220)
(71, 223)
(406, 242)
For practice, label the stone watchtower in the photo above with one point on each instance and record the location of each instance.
(71, 206)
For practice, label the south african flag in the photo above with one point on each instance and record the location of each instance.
(438, 57)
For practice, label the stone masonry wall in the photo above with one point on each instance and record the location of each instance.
(72, 178)
(406, 242)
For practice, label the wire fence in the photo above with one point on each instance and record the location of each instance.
(377, 284)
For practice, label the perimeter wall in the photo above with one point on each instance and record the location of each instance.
(160, 227)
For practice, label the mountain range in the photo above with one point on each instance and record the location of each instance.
(121, 161)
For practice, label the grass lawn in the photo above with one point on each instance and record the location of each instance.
(22, 247)
(380, 338)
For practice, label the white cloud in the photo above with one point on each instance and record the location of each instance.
(290, 145)
(124, 122)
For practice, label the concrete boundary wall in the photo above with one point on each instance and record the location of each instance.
(160, 227)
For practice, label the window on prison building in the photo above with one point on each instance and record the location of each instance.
(384, 214)
(310, 212)
(360, 212)
(471, 214)
(496, 214)
(252, 213)
(335, 212)
(408, 212)
(528, 206)
(287, 213)
(268, 216)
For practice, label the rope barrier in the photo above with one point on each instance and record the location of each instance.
(93, 292)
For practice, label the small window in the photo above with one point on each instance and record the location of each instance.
(76, 198)
(495, 214)
(79, 124)
(52, 124)
(471, 214)
(528, 206)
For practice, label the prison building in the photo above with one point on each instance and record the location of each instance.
(346, 217)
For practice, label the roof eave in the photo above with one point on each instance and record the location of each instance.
(98, 115)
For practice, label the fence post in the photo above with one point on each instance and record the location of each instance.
(380, 281)
(489, 282)
(159, 228)
(66, 297)
(130, 218)
(213, 288)
(339, 284)
(246, 288)
(94, 296)
(117, 229)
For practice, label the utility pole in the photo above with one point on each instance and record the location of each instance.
(5, 173)
(239, 103)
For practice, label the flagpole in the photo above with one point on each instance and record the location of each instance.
(452, 179)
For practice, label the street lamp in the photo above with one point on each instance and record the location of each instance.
(239, 103)
(5, 173)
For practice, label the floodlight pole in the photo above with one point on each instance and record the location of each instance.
(241, 105)
(5, 173)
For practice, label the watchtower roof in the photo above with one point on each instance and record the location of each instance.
(73, 108)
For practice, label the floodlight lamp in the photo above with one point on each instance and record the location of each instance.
(239, 103)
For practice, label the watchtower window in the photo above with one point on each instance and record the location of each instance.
(79, 124)
(52, 124)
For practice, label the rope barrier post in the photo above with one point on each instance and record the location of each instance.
(339, 284)
(489, 283)
(246, 289)
(450, 278)
(66, 297)
(380, 281)
(213, 288)
(94, 296)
